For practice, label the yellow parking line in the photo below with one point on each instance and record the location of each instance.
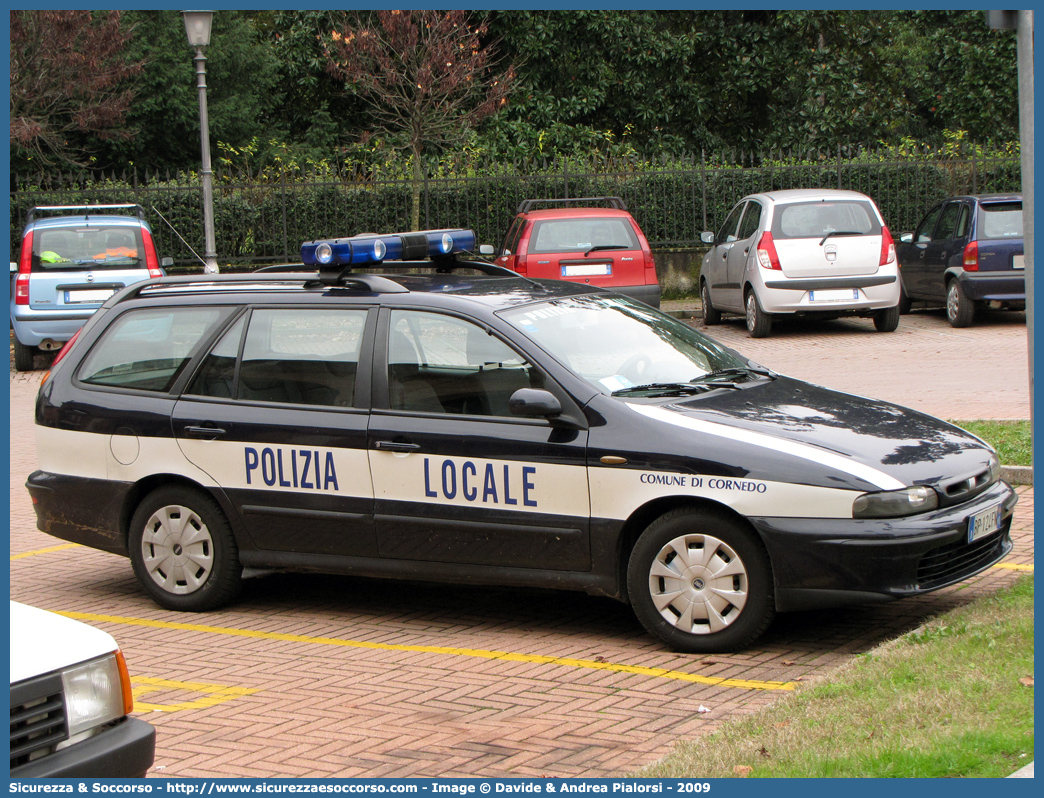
(25, 554)
(213, 694)
(1014, 566)
(663, 673)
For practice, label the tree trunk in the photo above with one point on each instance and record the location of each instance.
(418, 177)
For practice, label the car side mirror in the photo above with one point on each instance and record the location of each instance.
(166, 263)
(534, 403)
(486, 249)
(906, 238)
(707, 237)
(14, 267)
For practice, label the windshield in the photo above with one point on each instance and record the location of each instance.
(616, 343)
(87, 247)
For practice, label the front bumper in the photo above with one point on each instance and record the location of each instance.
(831, 562)
(126, 750)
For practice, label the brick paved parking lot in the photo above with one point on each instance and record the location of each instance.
(334, 676)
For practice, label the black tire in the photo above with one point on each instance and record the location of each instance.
(887, 320)
(960, 310)
(205, 577)
(24, 355)
(684, 610)
(710, 315)
(759, 323)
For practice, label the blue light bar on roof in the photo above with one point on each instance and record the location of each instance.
(370, 248)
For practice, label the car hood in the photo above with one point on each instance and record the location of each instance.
(873, 444)
(43, 642)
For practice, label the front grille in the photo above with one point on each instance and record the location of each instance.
(37, 718)
(955, 561)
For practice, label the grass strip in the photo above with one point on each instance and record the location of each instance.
(1013, 440)
(953, 698)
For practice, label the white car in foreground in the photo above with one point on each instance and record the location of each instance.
(70, 702)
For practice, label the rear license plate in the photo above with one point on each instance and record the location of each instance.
(92, 296)
(1018, 262)
(984, 523)
(587, 270)
(834, 295)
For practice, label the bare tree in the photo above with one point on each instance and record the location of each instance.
(426, 76)
(67, 76)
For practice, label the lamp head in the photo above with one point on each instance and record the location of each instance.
(197, 26)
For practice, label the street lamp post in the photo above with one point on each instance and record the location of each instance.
(197, 26)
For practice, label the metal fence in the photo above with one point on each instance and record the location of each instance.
(260, 222)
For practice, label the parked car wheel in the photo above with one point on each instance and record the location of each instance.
(701, 582)
(24, 356)
(183, 551)
(710, 315)
(960, 310)
(887, 320)
(759, 323)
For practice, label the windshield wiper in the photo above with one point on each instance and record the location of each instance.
(840, 233)
(733, 372)
(662, 388)
(605, 246)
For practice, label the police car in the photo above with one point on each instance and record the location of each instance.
(472, 425)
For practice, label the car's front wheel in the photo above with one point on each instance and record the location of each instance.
(183, 551)
(701, 581)
(960, 310)
(24, 355)
(759, 323)
(710, 315)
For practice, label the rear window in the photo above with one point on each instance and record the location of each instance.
(817, 219)
(87, 247)
(573, 235)
(147, 349)
(1000, 220)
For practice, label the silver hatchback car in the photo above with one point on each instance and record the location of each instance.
(811, 252)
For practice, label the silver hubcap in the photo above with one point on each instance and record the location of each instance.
(177, 549)
(698, 584)
(953, 302)
(752, 312)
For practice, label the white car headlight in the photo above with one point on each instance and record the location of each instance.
(94, 693)
(895, 503)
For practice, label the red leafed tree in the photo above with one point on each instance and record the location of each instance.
(426, 76)
(68, 75)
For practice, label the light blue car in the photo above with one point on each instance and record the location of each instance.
(72, 259)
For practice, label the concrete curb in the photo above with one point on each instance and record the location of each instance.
(1017, 475)
(1023, 773)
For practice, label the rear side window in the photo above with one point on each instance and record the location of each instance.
(575, 235)
(1000, 220)
(301, 356)
(88, 247)
(817, 219)
(510, 246)
(147, 349)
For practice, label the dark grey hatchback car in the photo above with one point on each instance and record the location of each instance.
(967, 252)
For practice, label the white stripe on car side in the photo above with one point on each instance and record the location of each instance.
(802, 450)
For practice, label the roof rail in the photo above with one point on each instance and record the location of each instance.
(613, 202)
(138, 210)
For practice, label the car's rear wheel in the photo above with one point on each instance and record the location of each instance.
(710, 315)
(759, 323)
(887, 320)
(183, 550)
(701, 581)
(24, 355)
(960, 310)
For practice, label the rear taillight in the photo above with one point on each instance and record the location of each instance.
(767, 256)
(151, 261)
(971, 257)
(68, 345)
(25, 264)
(650, 269)
(520, 265)
(887, 247)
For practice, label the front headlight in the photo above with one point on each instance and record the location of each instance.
(895, 503)
(95, 693)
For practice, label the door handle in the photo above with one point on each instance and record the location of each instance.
(396, 446)
(204, 432)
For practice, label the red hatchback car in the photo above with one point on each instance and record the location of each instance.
(582, 241)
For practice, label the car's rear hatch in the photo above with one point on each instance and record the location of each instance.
(999, 234)
(80, 266)
(599, 250)
(827, 238)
